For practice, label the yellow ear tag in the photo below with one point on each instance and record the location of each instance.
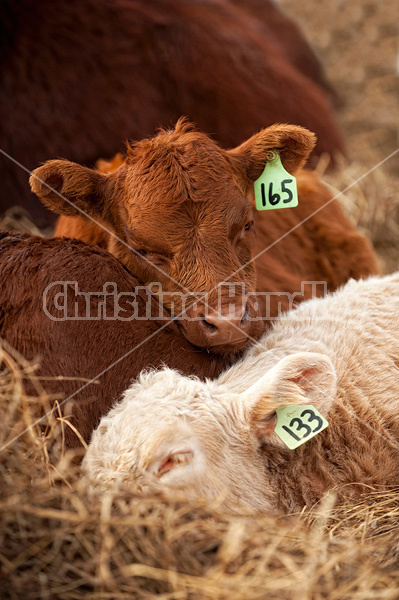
(275, 188)
(298, 424)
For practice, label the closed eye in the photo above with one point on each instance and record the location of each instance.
(175, 459)
(152, 255)
(249, 226)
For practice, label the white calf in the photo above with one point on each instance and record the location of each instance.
(219, 439)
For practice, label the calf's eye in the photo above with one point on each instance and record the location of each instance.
(154, 257)
(175, 459)
(248, 226)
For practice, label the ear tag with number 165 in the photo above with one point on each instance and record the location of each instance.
(275, 188)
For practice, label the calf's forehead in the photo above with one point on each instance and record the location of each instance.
(173, 226)
(169, 191)
(170, 399)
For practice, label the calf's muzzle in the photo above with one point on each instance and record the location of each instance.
(226, 328)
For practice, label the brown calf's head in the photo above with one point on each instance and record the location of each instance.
(178, 211)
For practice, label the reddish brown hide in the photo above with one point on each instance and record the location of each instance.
(85, 348)
(272, 21)
(80, 77)
(181, 209)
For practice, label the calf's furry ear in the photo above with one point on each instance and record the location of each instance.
(292, 142)
(65, 187)
(303, 378)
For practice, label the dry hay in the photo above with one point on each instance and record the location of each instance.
(371, 201)
(57, 544)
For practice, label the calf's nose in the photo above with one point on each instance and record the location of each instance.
(221, 329)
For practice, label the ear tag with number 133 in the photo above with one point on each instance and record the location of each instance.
(298, 424)
(275, 188)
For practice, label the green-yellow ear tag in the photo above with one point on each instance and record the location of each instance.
(275, 188)
(298, 424)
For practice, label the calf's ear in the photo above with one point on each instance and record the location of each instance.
(292, 142)
(68, 188)
(303, 378)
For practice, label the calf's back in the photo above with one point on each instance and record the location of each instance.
(109, 354)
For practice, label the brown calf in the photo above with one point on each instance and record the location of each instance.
(181, 211)
(85, 348)
(104, 71)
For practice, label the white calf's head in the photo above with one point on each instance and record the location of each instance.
(174, 433)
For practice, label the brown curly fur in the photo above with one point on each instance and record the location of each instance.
(84, 348)
(174, 195)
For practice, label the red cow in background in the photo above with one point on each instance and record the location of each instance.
(79, 78)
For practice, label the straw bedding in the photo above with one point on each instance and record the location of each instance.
(55, 543)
